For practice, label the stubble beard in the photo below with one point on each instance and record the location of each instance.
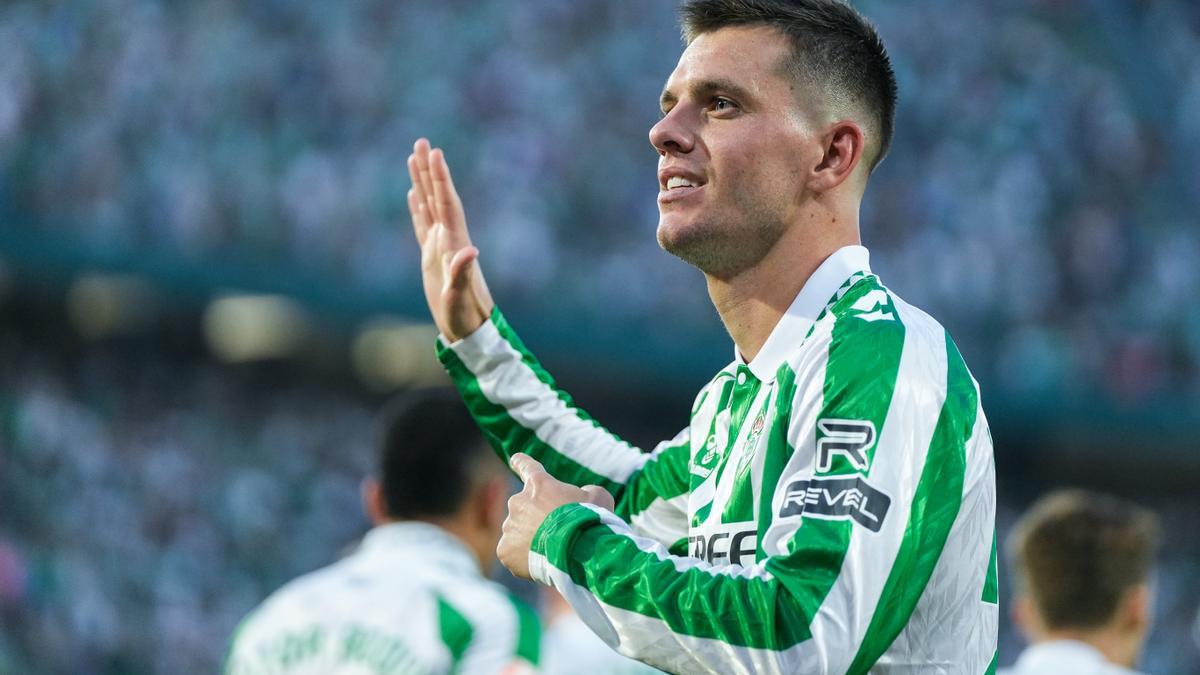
(726, 247)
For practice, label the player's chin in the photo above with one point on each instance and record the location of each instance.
(683, 239)
(674, 233)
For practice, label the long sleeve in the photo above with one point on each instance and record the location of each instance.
(520, 409)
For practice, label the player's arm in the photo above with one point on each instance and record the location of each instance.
(834, 594)
(514, 400)
(520, 409)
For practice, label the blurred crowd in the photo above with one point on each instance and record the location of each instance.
(1040, 198)
(147, 503)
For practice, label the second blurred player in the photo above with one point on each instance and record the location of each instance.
(414, 597)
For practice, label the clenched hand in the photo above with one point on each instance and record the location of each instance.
(528, 508)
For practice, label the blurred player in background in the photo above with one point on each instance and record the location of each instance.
(830, 507)
(1082, 563)
(413, 598)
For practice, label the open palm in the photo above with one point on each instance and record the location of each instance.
(457, 295)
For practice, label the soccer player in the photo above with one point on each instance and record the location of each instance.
(1082, 564)
(413, 598)
(830, 506)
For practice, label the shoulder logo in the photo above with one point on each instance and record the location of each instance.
(706, 459)
(848, 438)
(875, 305)
(837, 498)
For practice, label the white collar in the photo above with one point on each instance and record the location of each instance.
(804, 310)
(430, 540)
(1055, 655)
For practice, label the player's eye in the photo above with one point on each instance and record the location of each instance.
(720, 104)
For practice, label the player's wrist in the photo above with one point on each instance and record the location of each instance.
(556, 536)
(464, 327)
(464, 332)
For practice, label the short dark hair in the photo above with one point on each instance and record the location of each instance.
(430, 451)
(833, 46)
(1076, 553)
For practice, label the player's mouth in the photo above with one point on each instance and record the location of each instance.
(675, 185)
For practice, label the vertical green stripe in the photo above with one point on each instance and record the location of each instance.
(740, 507)
(991, 584)
(778, 452)
(860, 378)
(455, 631)
(664, 477)
(710, 440)
(864, 359)
(529, 635)
(934, 508)
(991, 669)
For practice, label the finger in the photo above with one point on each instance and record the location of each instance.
(525, 466)
(599, 496)
(417, 211)
(444, 194)
(460, 268)
(421, 152)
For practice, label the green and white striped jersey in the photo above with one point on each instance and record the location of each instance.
(410, 600)
(829, 509)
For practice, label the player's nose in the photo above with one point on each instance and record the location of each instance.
(672, 133)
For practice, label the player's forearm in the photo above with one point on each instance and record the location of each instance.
(675, 613)
(520, 409)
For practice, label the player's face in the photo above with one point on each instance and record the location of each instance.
(733, 145)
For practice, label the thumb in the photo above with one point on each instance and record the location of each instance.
(460, 268)
(599, 496)
(525, 466)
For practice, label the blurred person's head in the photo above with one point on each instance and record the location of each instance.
(435, 467)
(1082, 564)
(775, 115)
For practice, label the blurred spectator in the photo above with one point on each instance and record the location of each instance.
(413, 597)
(1082, 562)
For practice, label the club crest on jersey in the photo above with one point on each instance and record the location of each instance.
(836, 498)
(757, 429)
(748, 447)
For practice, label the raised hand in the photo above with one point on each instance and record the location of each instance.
(457, 295)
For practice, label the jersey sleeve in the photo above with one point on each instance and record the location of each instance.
(520, 409)
(869, 501)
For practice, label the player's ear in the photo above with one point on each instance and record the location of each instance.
(491, 501)
(374, 503)
(842, 145)
(1025, 616)
(1135, 608)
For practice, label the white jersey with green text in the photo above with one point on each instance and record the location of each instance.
(829, 509)
(410, 600)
